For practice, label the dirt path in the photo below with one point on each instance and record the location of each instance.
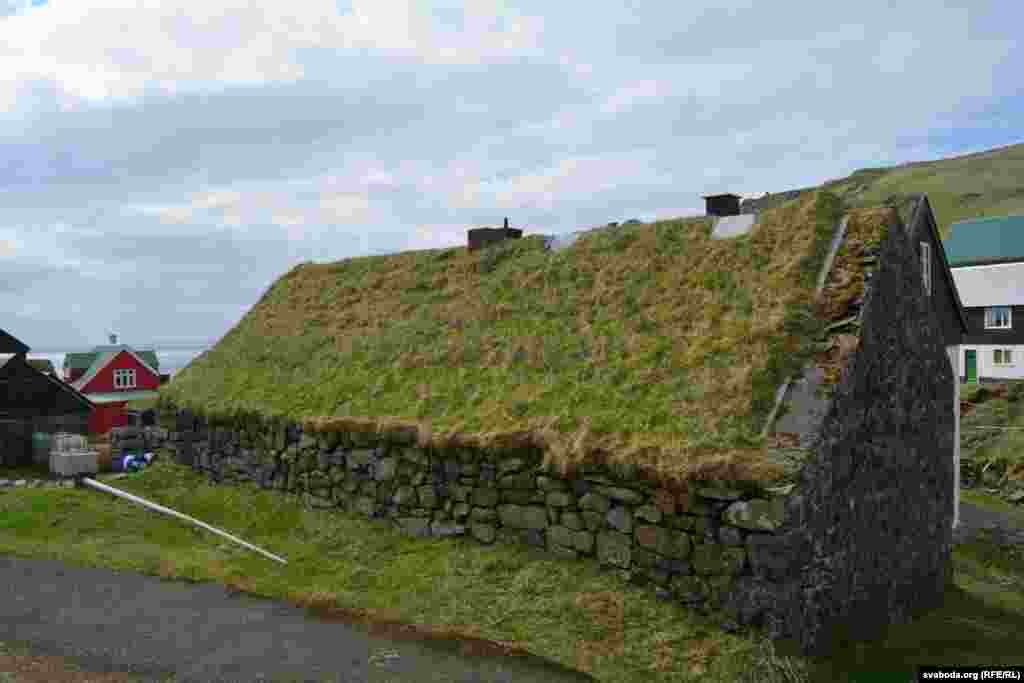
(133, 627)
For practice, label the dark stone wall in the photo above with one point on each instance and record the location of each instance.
(872, 522)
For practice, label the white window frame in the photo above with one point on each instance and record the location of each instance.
(990, 318)
(926, 266)
(1006, 357)
(124, 378)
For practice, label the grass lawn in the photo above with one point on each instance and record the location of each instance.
(570, 612)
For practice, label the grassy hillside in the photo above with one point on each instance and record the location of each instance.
(972, 186)
(650, 342)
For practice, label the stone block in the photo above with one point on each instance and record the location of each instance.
(595, 502)
(682, 522)
(360, 457)
(583, 541)
(560, 499)
(714, 559)
(673, 544)
(594, 521)
(757, 514)
(561, 535)
(405, 495)
(509, 465)
(523, 517)
(485, 497)
(622, 494)
(648, 513)
(481, 514)
(620, 518)
(614, 549)
(673, 566)
(729, 535)
(428, 496)
(573, 520)
(552, 484)
(581, 487)
(460, 511)
(643, 557)
(522, 480)
(718, 492)
(521, 496)
(535, 537)
(385, 469)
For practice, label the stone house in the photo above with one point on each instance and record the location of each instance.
(858, 533)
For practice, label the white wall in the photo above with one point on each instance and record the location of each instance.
(986, 368)
(954, 359)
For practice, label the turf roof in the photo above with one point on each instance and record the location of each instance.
(649, 344)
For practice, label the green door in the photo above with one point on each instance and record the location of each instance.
(971, 361)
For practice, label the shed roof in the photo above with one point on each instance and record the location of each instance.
(84, 360)
(104, 359)
(25, 392)
(1000, 284)
(10, 344)
(985, 240)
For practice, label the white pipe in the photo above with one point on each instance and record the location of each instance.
(173, 513)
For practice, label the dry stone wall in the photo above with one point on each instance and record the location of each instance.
(698, 548)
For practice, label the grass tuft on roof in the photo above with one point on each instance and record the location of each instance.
(646, 345)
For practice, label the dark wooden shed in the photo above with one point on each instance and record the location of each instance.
(482, 237)
(722, 204)
(30, 401)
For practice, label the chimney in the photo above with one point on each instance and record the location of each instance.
(478, 238)
(722, 204)
(113, 338)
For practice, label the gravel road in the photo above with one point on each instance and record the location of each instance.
(127, 623)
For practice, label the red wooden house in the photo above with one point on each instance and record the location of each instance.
(110, 376)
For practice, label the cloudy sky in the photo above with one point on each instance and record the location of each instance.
(161, 163)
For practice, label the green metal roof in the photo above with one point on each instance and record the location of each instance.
(83, 361)
(985, 240)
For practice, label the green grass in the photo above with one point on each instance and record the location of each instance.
(571, 613)
(959, 188)
(566, 612)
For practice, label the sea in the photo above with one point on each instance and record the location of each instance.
(172, 359)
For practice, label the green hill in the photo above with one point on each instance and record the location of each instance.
(987, 183)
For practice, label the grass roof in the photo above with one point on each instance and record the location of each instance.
(649, 344)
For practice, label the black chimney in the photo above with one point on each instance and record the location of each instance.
(722, 204)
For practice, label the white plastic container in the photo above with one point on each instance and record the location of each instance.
(70, 463)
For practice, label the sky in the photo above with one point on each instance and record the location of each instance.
(162, 163)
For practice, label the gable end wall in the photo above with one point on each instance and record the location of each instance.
(104, 379)
(872, 524)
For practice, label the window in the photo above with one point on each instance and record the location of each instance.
(997, 317)
(1002, 356)
(124, 379)
(926, 266)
